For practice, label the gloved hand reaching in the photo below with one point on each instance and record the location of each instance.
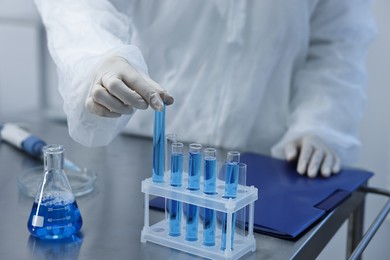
(118, 87)
(314, 156)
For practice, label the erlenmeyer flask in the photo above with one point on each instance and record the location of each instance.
(54, 214)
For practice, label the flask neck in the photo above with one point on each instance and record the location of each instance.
(53, 157)
(54, 162)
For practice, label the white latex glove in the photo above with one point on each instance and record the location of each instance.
(118, 87)
(314, 156)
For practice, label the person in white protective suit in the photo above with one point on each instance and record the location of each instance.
(285, 78)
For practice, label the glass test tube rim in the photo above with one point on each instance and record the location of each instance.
(179, 146)
(195, 147)
(171, 136)
(210, 152)
(233, 156)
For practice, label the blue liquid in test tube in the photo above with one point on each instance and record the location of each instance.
(158, 146)
(224, 229)
(175, 210)
(192, 222)
(210, 176)
(210, 171)
(194, 166)
(176, 165)
(209, 227)
(169, 140)
(231, 183)
(175, 206)
(194, 169)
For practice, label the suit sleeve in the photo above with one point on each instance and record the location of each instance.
(81, 33)
(329, 91)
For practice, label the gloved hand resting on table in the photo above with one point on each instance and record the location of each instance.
(118, 87)
(314, 156)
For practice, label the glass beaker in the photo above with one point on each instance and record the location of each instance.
(54, 214)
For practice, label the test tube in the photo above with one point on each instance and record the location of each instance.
(194, 166)
(231, 183)
(210, 172)
(169, 140)
(176, 179)
(194, 169)
(176, 164)
(158, 146)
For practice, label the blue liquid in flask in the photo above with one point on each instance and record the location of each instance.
(54, 214)
(56, 217)
(158, 146)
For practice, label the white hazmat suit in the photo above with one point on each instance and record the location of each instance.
(246, 75)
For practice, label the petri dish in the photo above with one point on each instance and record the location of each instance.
(82, 182)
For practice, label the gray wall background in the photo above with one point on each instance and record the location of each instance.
(21, 89)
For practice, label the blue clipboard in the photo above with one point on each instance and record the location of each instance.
(289, 203)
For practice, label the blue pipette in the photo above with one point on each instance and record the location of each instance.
(28, 143)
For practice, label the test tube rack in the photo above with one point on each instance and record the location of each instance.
(158, 233)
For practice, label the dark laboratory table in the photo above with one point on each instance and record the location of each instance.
(113, 212)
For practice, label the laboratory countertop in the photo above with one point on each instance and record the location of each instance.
(113, 213)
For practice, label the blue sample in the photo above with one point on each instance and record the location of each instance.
(210, 175)
(231, 181)
(192, 222)
(209, 227)
(224, 228)
(175, 207)
(158, 146)
(55, 221)
(176, 169)
(297, 195)
(175, 211)
(194, 169)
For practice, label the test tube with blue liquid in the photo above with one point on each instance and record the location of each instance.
(231, 183)
(158, 146)
(175, 207)
(194, 171)
(169, 140)
(210, 177)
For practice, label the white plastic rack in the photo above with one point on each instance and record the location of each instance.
(158, 233)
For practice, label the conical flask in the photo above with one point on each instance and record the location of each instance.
(54, 214)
